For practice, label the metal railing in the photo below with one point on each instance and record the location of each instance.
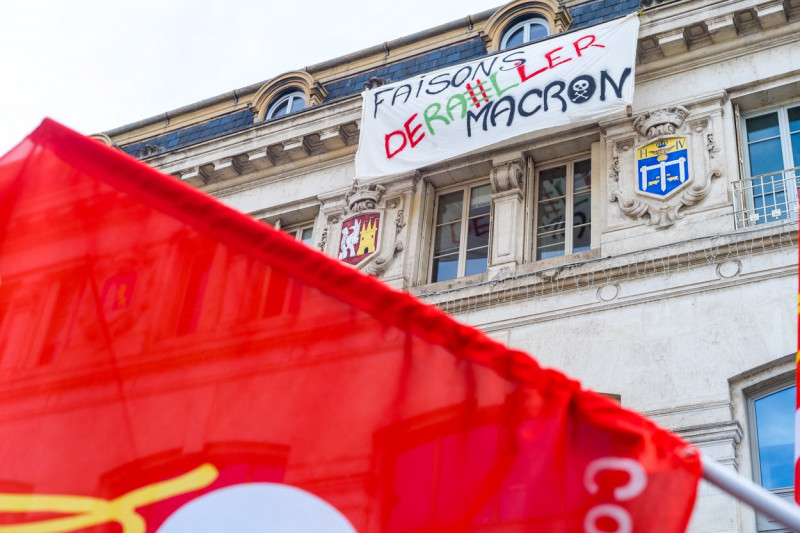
(766, 198)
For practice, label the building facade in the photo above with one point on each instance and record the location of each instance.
(680, 302)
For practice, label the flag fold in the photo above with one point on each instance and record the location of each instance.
(168, 364)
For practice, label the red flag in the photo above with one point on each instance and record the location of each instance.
(168, 364)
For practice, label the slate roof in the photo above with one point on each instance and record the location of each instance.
(600, 11)
(441, 58)
(341, 88)
(586, 14)
(192, 135)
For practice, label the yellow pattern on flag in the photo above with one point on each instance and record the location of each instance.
(88, 511)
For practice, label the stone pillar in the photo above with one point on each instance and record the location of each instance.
(508, 210)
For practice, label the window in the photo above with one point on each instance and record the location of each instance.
(461, 234)
(288, 103)
(772, 158)
(563, 209)
(304, 234)
(771, 413)
(525, 31)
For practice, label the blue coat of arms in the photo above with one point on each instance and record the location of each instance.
(663, 167)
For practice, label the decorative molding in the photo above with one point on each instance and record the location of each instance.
(381, 264)
(507, 176)
(399, 223)
(323, 240)
(296, 80)
(661, 122)
(374, 82)
(553, 11)
(663, 216)
(711, 146)
(363, 197)
(613, 170)
(103, 138)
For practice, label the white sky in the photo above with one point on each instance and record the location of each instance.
(98, 64)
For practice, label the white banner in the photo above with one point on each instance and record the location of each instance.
(577, 77)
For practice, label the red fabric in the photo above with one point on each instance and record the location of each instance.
(147, 329)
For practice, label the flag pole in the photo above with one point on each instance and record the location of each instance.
(757, 497)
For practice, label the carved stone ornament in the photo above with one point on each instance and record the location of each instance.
(507, 176)
(363, 197)
(381, 264)
(665, 215)
(323, 241)
(662, 122)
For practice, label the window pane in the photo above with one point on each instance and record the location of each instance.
(794, 119)
(478, 232)
(306, 236)
(480, 200)
(552, 183)
(582, 209)
(583, 176)
(536, 31)
(444, 268)
(551, 215)
(550, 245)
(280, 109)
(447, 238)
(796, 149)
(450, 207)
(766, 156)
(516, 38)
(774, 428)
(581, 238)
(298, 103)
(476, 261)
(762, 127)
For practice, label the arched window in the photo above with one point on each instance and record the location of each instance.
(526, 30)
(288, 103)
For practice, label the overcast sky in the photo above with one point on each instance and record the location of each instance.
(98, 64)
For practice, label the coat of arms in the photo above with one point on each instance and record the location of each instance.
(663, 167)
(360, 237)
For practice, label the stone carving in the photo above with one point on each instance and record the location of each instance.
(711, 146)
(363, 197)
(665, 215)
(381, 264)
(374, 82)
(323, 240)
(507, 176)
(399, 223)
(613, 172)
(415, 179)
(662, 122)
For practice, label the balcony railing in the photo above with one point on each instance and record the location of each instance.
(766, 198)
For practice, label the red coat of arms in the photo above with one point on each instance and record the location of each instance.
(360, 237)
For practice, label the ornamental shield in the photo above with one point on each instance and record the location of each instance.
(663, 167)
(360, 238)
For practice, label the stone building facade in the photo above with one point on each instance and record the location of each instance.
(680, 305)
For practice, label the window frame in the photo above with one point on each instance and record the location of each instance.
(569, 162)
(748, 198)
(289, 98)
(525, 23)
(297, 230)
(466, 188)
(753, 394)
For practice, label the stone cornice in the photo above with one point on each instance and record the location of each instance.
(724, 251)
(680, 37)
(273, 147)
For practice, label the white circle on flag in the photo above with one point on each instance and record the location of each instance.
(257, 508)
